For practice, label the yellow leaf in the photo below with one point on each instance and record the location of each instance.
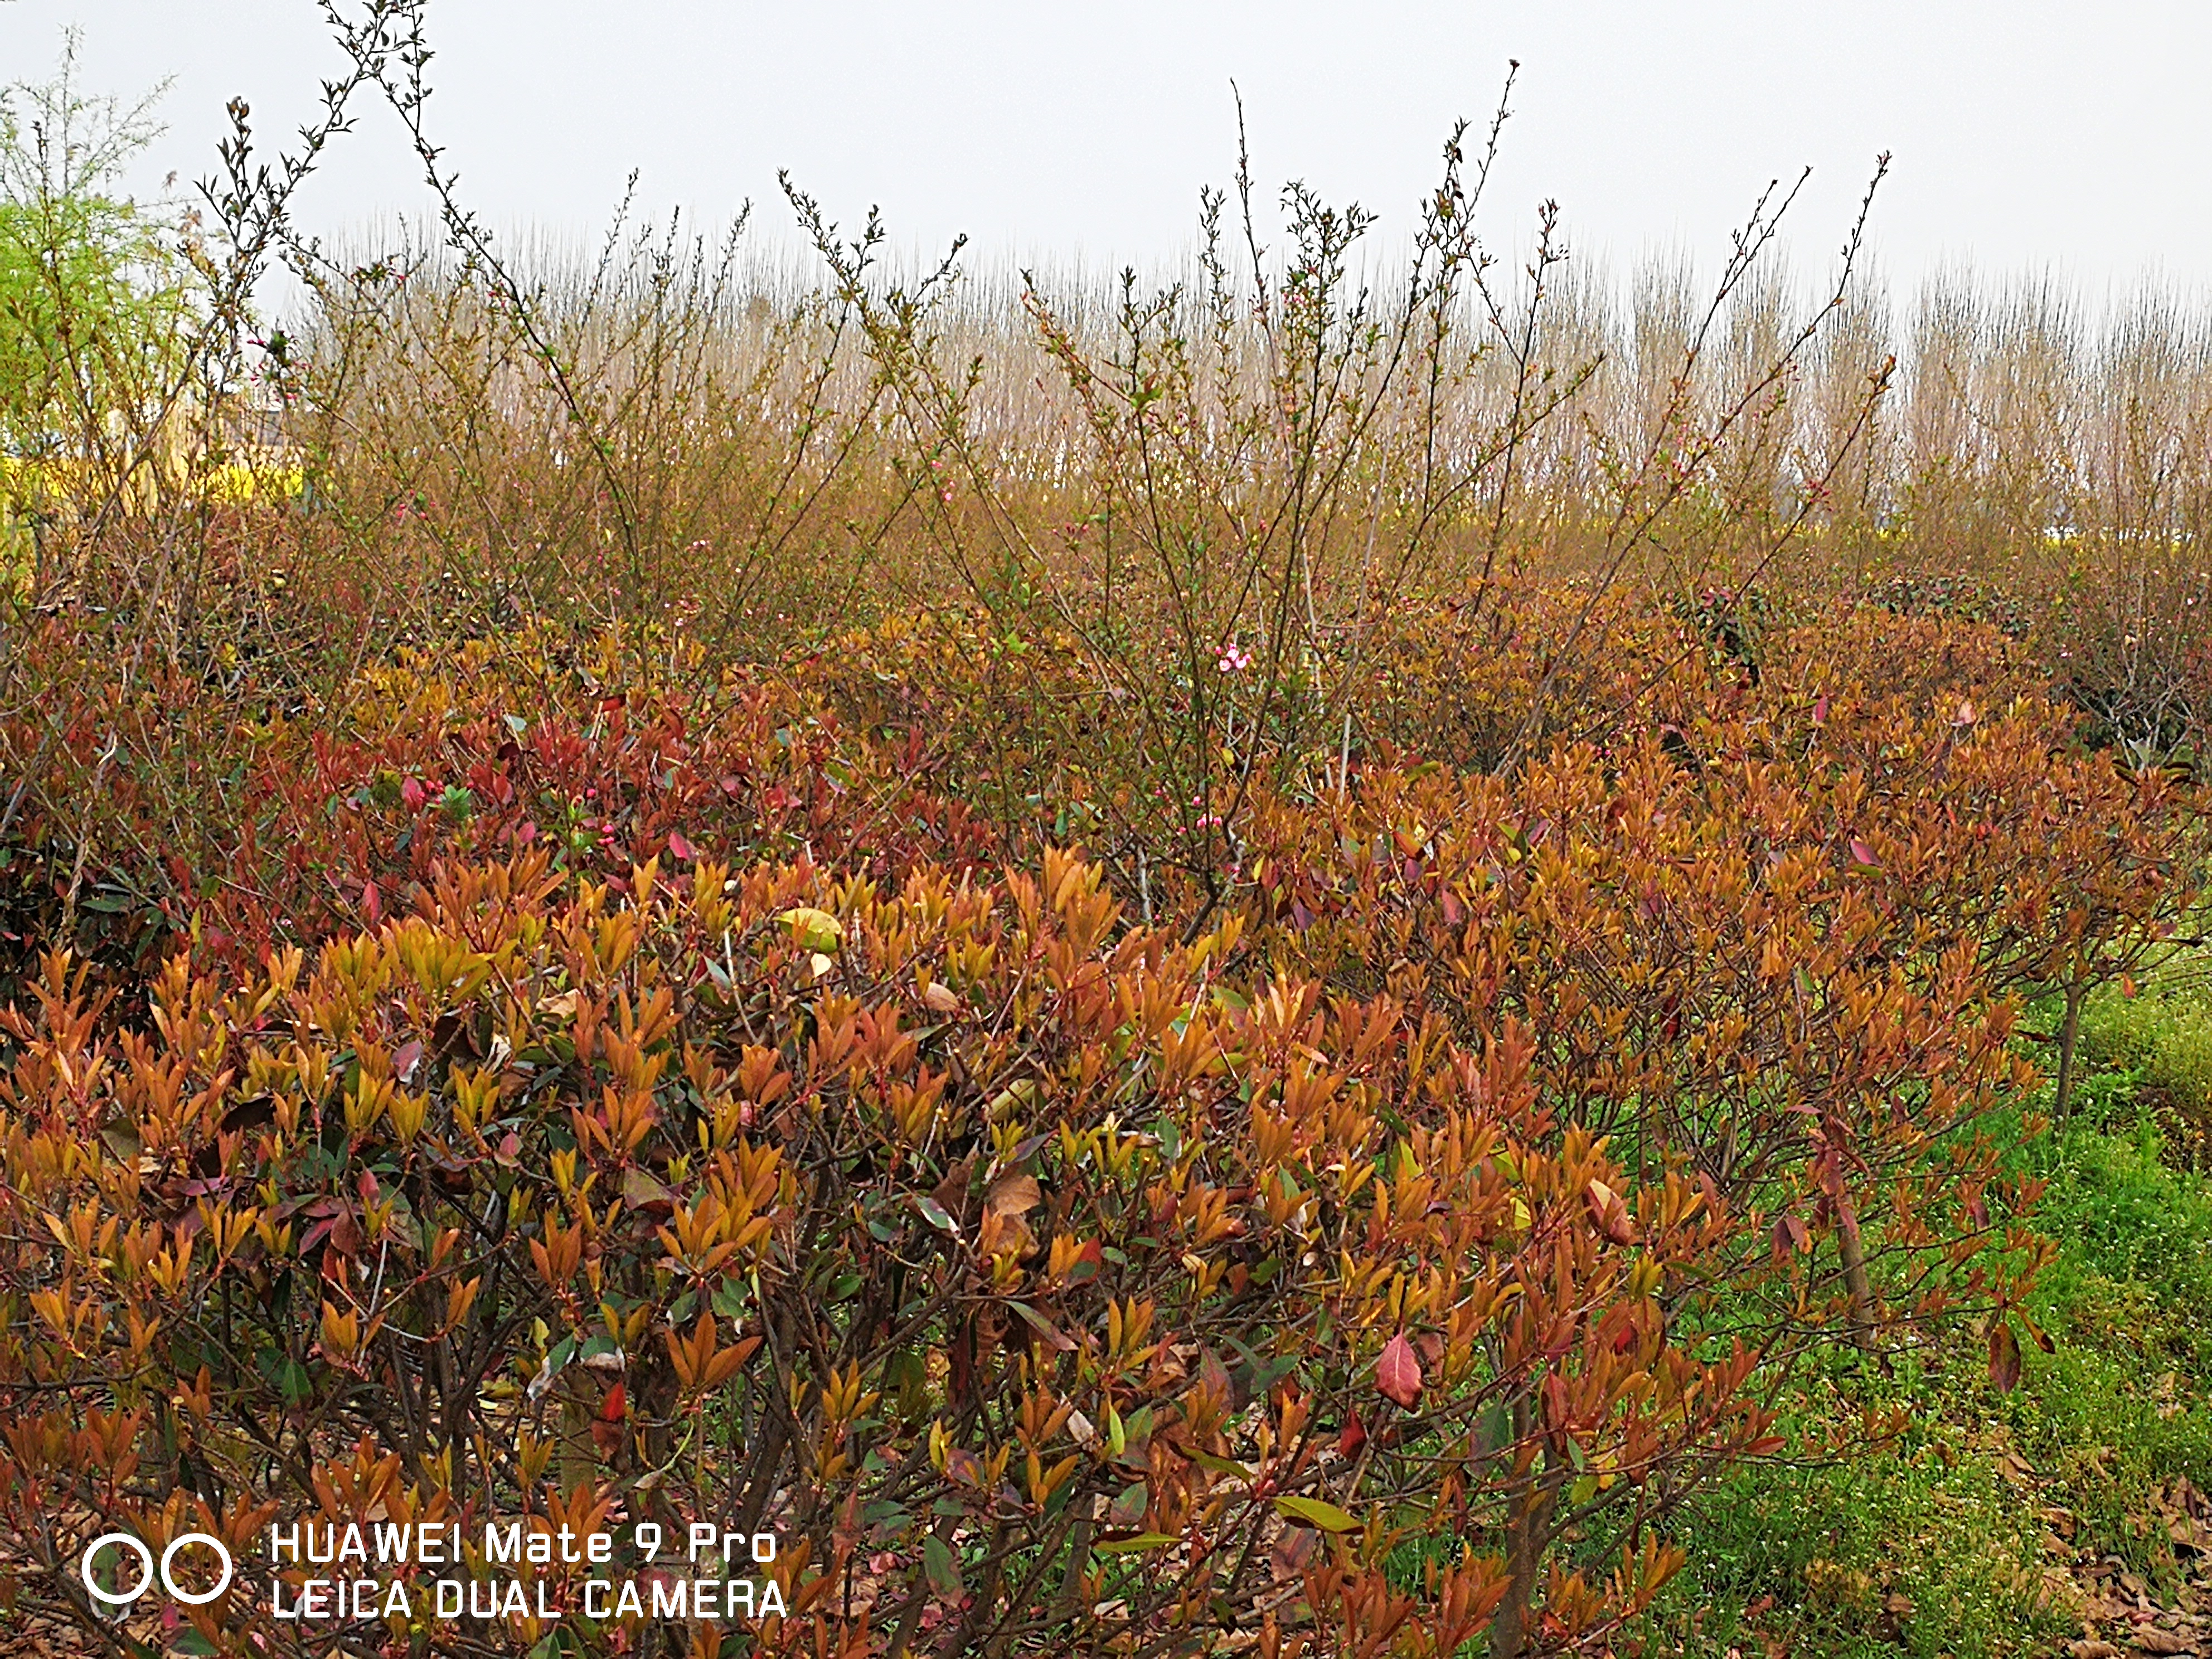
(814, 930)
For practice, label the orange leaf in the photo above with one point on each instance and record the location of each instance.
(1610, 1213)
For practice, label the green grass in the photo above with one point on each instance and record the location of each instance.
(2123, 1405)
(1956, 1542)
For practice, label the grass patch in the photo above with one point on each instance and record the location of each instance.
(1968, 1538)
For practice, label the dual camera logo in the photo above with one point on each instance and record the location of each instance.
(137, 1545)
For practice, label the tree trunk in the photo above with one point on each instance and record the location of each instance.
(2069, 1036)
(1852, 1248)
(1528, 1534)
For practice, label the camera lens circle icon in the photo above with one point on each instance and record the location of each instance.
(146, 1568)
(169, 1554)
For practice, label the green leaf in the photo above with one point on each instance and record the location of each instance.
(937, 1215)
(944, 1571)
(814, 930)
(1134, 1543)
(1220, 1465)
(1313, 1512)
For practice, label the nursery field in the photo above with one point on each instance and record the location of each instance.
(1356, 953)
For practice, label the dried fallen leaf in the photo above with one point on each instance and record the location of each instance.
(2150, 1639)
(1013, 1194)
(1293, 1553)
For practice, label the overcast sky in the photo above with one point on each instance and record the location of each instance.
(2027, 134)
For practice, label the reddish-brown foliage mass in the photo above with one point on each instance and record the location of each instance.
(555, 1087)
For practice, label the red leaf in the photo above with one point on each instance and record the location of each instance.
(616, 1406)
(1789, 1234)
(1398, 1373)
(1353, 1437)
(678, 848)
(2004, 1356)
(1863, 854)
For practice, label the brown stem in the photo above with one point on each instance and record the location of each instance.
(1528, 1534)
(1853, 1249)
(2069, 1035)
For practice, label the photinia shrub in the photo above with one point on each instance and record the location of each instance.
(1035, 1278)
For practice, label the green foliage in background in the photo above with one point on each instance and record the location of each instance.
(92, 293)
(2162, 1033)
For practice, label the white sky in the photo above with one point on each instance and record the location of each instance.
(2028, 134)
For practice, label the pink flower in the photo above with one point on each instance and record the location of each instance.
(1234, 659)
